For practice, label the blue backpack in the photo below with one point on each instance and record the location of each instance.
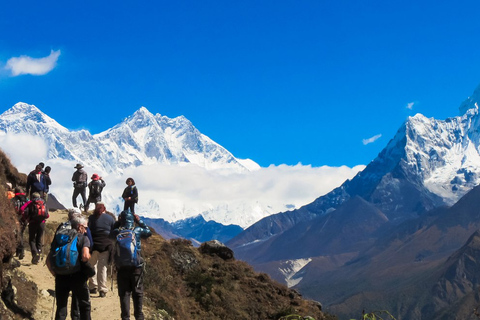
(126, 251)
(65, 254)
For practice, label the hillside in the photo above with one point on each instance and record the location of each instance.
(181, 282)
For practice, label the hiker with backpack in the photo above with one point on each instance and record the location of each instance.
(35, 212)
(95, 188)
(79, 179)
(129, 263)
(36, 182)
(130, 195)
(18, 201)
(101, 225)
(68, 263)
(63, 229)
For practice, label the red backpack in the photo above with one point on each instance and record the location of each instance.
(37, 210)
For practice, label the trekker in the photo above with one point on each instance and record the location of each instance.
(130, 195)
(74, 278)
(35, 212)
(18, 201)
(130, 275)
(36, 182)
(101, 225)
(79, 179)
(95, 188)
(72, 214)
(48, 181)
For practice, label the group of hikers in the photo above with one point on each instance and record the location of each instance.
(83, 248)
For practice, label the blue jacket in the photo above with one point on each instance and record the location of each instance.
(126, 220)
(35, 185)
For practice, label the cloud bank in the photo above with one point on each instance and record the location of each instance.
(176, 192)
(34, 66)
(371, 140)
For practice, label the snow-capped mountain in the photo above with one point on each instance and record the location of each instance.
(154, 146)
(427, 164)
(141, 139)
(396, 221)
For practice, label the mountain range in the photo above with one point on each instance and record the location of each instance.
(399, 235)
(140, 139)
(195, 229)
(144, 145)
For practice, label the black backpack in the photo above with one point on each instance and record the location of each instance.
(18, 202)
(95, 190)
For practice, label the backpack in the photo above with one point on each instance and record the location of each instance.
(126, 251)
(65, 258)
(18, 202)
(95, 190)
(37, 210)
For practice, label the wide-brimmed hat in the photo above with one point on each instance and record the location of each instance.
(35, 195)
(78, 166)
(95, 177)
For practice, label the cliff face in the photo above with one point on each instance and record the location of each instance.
(8, 221)
(9, 236)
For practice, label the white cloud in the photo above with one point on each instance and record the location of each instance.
(410, 105)
(20, 148)
(35, 66)
(188, 190)
(372, 139)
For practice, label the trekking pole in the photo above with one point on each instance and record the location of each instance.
(141, 275)
(43, 245)
(53, 307)
(111, 275)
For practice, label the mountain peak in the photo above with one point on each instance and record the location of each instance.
(25, 110)
(471, 102)
(28, 116)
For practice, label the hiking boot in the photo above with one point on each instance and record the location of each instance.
(103, 294)
(21, 255)
(93, 291)
(35, 259)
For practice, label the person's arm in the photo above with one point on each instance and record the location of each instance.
(135, 194)
(85, 254)
(48, 179)
(85, 248)
(24, 210)
(145, 231)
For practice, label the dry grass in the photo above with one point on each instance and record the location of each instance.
(189, 285)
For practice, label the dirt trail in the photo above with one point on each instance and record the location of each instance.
(102, 308)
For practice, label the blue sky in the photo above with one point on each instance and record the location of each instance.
(280, 82)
